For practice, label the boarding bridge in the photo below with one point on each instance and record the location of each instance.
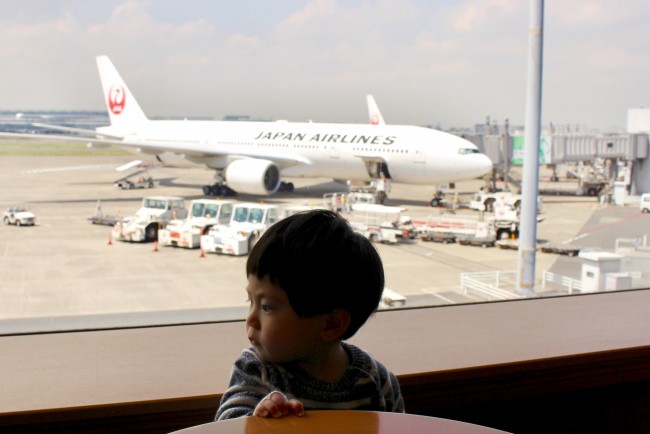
(573, 148)
(630, 149)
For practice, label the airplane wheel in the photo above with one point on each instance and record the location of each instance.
(435, 202)
(286, 186)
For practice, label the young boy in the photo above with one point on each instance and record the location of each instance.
(312, 283)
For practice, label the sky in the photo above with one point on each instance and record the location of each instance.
(443, 63)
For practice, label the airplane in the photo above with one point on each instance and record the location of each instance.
(253, 157)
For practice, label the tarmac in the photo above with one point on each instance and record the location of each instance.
(66, 272)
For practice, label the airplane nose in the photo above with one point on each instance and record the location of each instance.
(483, 164)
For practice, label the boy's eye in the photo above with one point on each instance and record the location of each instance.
(266, 308)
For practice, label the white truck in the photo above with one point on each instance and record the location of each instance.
(248, 223)
(381, 223)
(204, 213)
(501, 223)
(484, 201)
(155, 213)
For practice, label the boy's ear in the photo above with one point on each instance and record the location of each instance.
(336, 324)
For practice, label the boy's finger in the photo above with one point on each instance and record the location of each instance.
(297, 407)
(277, 404)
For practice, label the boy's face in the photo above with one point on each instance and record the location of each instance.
(274, 330)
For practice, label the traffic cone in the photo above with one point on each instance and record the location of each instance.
(201, 254)
(110, 240)
(155, 246)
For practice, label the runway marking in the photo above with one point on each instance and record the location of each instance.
(435, 294)
(444, 258)
(68, 169)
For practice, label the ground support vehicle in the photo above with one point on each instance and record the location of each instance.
(503, 222)
(381, 223)
(485, 201)
(474, 240)
(644, 204)
(249, 221)
(508, 244)
(141, 182)
(155, 213)
(484, 236)
(560, 248)
(436, 228)
(591, 187)
(18, 216)
(204, 213)
(439, 237)
(103, 219)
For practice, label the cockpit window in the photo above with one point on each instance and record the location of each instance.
(464, 151)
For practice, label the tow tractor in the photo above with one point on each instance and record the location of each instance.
(249, 221)
(155, 213)
(204, 213)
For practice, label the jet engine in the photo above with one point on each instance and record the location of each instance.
(253, 176)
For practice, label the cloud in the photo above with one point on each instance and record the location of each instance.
(448, 62)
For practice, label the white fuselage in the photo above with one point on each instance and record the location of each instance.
(413, 155)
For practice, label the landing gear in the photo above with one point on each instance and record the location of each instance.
(436, 202)
(218, 190)
(286, 186)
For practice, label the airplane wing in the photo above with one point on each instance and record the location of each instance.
(188, 148)
(89, 133)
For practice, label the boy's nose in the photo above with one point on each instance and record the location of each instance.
(251, 319)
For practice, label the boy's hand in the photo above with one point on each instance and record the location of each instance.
(275, 404)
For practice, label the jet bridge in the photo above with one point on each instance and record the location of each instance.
(629, 150)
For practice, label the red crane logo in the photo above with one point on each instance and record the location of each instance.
(116, 99)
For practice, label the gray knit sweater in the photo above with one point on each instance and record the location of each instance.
(366, 385)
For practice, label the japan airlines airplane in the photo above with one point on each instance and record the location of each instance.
(251, 157)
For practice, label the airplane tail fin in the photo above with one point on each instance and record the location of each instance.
(373, 111)
(123, 110)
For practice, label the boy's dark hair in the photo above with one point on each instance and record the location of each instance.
(322, 265)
